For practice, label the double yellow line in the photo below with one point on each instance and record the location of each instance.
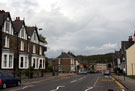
(118, 83)
(96, 82)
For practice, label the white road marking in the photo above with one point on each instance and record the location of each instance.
(77, 79)
(22, 88)
(89, 88)
(27, 86)
(73, 81)
(15, 90)
(35, 82)
(57, 88)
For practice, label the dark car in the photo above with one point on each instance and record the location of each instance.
(8, 79)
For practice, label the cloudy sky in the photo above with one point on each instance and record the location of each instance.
(84, 27)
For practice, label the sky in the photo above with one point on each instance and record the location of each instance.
(84, 27)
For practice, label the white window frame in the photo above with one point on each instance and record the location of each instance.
(43, 63)
(9, 23)
(36, 62)
(10, 60)
(7, 65)
(34, 48)
(40, 52)
(22, 46)
(28, 47)
(25, 66)
(7, 40)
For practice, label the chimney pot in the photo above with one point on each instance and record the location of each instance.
(17, 19)
(2, 11)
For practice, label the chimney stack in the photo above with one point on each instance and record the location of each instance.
(17, 19)
(130, 39)
(2, 11)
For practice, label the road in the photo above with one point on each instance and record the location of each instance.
(89, 82)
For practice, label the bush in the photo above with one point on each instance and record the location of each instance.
(29, 71)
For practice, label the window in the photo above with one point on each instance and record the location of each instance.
(34, 49)
(40, 52)
(28, 47)
(34, 62)
(26, 62)
(40, 64)
(43, 63)
(34, 36)
(22, 45)
(5, 60)
(22, 33)
(37, 63)
(7, 41)
(21, 62)
(59, 61)
(10, 60)
(7, 26)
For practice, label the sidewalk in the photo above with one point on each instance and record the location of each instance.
(129, 83)
(46, 77)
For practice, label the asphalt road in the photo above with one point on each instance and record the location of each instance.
(89, 82)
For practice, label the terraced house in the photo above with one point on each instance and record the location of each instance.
(21, 46)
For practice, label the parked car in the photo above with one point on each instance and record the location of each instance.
(107, 72)
(83, 71)
(8, 79)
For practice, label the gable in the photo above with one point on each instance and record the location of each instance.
(7, 26)
(23, 32)
(130, 49)
(34, 37)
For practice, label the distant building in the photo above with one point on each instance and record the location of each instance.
(100, 67)
(66, 62)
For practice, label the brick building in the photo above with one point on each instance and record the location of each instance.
(21, 47)
(66, 62)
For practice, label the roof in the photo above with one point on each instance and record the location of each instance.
(126, 44)
(30, 30)
(65, 55)
(117, 54)
(3, 17)
(18, 25)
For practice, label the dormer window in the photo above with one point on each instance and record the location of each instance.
(7, 41)
(7, 25)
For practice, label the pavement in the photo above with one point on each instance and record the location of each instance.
(71, 82)
(128, 82)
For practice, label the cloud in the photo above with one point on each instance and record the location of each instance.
(82, 26)
(107, 46)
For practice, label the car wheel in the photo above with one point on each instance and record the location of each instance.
(18, 83)
(4, 86)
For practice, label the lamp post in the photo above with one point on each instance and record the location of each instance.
(124, 68)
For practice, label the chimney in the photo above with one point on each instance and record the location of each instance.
(130, 39)
(17, 19)
(2, 11)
